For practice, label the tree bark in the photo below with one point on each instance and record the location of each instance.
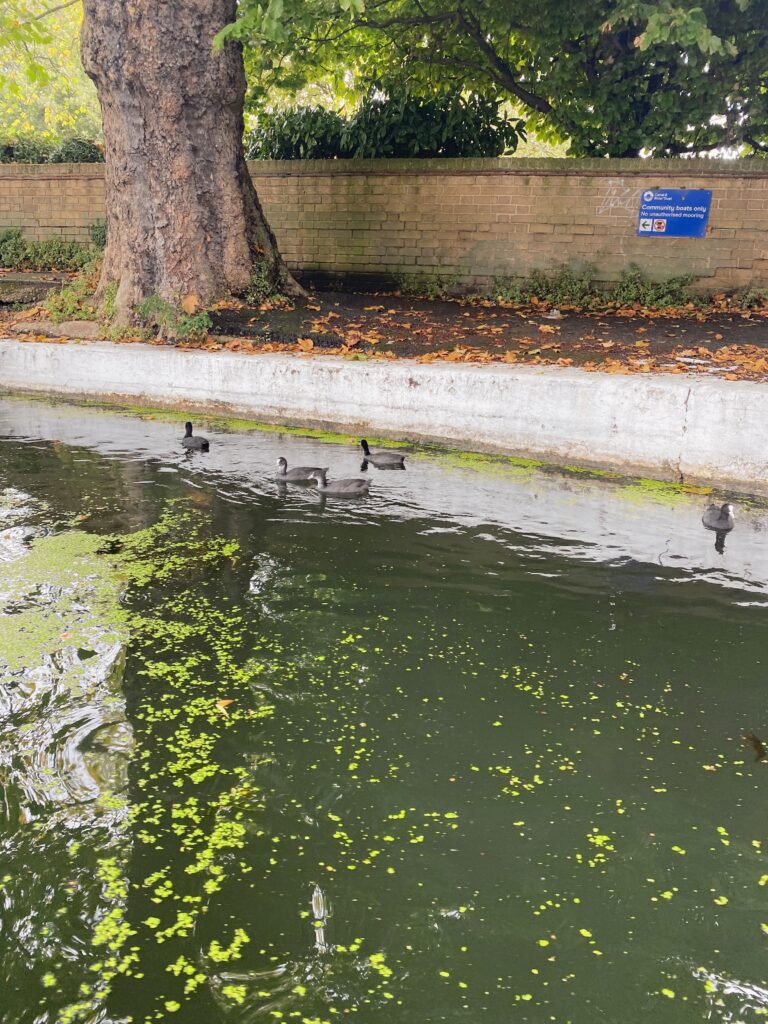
(183, 218)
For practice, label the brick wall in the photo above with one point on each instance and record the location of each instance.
(47, 200)
(469, 219)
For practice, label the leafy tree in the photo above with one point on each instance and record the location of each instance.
(24, 24)
(613, 76)
(45, 96)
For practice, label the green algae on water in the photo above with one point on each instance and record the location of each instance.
(45, 592)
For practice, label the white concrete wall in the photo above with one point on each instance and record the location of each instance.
(697, 427)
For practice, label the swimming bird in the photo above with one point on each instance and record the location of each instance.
(382, 458)
(349, 487)
(195, 444)
(297, 475)
(719, 518)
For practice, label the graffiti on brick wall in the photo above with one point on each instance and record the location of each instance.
(617, 196)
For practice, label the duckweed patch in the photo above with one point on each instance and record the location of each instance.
(43, 594)
(179, 727)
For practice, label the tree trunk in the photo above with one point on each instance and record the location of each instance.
(183, 218)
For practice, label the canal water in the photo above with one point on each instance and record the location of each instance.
(469, 749)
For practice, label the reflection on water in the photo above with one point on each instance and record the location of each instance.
(398, 467)
(64, 744)
(572, 515)
(468, 750)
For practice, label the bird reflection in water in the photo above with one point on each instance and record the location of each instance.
(321, 911)
(756, 744)
(397, 467)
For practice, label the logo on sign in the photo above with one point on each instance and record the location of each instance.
(659, 225)
(648, 196)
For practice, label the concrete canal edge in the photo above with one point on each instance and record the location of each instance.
(692, 428)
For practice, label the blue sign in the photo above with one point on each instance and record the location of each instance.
(674, 212)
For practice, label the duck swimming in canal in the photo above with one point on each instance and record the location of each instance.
(350, 487)
(297, 475)
(383, 460)
(719, 518)
(194, 444)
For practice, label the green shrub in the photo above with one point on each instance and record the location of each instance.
(509, 289)
(634, 287)
(123, 332)
(262, 285)
(33, 150)
(427, 286)
(16, 253)
(751, 298)
(299, 133)
(75, 301)
(172, 321)
(108, 301)
(56, 254)
(448, 126)
(98, 233)
(564, 286)
(77, 151)
(13, 249)
(397, 125)
(25, 151)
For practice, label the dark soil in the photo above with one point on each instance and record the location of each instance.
(723, 340)
(412, 327)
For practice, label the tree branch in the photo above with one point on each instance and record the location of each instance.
(47, 13)
(427, 19)
(502, 72)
